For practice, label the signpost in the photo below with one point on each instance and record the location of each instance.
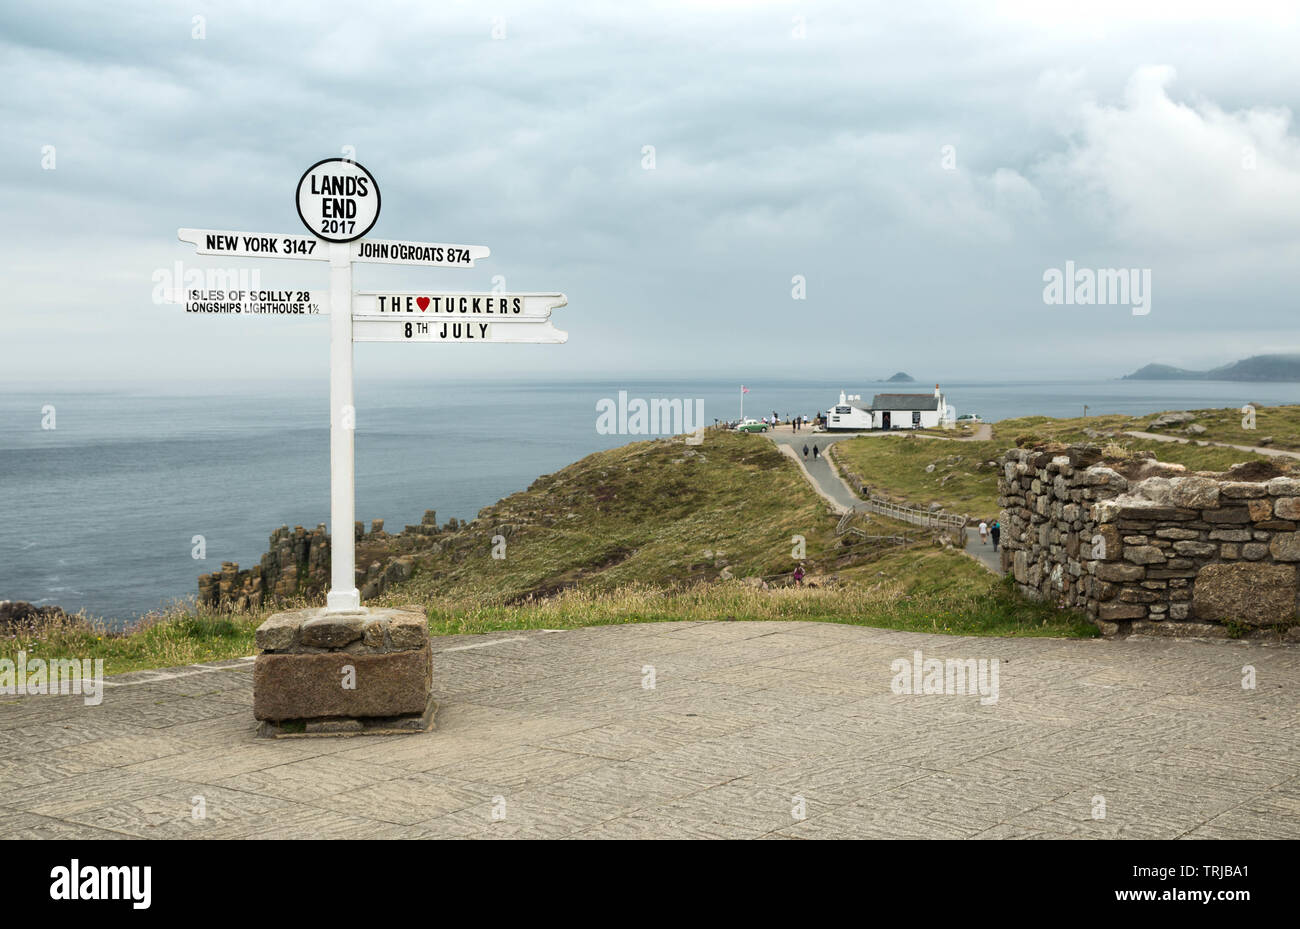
(254, 244)
(431, 254)
(414, 304)
(255, 302)
(386, 329)
(304, 654)
(339, 202)
(421, 316)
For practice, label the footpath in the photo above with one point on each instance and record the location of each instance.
(826, 481)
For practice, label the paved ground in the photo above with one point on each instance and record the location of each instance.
(556, 733)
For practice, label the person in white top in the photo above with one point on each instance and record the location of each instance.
(984, 532)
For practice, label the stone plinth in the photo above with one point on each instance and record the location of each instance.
(319, 673)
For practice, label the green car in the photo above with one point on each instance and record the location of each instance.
(752, 425)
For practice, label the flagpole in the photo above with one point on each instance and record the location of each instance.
(742, 403)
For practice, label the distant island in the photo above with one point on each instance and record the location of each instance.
(1255, 368)
(901, 378)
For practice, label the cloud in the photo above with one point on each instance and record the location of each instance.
(1187, 175)
(775, 156)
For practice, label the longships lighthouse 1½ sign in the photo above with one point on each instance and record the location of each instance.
(339, 202)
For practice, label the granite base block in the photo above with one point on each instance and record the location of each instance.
(337, 726)
(320, 673)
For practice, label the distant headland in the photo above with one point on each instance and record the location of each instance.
(901, 377)
(1255, 368)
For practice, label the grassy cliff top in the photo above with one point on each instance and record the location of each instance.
(1278, 424)
(652, 531)
(657, 512)
(660, 530)
(964, 479)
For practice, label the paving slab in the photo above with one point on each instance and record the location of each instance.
(750, 730)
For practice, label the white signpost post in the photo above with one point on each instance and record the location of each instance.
(339, 201)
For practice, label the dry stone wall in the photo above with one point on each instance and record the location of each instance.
(1145, 546)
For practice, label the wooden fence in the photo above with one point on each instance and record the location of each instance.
(933, 519)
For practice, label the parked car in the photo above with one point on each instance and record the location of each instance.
(969, 418)
(751, 425)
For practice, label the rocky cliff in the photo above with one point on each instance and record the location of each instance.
(297, 564)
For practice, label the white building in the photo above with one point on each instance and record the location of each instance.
(890, 411)
(850, 414)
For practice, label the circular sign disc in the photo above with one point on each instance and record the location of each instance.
(338, 200)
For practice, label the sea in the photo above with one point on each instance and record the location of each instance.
(109, 494)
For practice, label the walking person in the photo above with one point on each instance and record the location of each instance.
(805, 451)
(798, 576)
(996, 531)
(815, 452)
(984, 533)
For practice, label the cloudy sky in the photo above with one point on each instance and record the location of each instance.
(920, 166)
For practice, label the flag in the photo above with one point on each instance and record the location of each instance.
(744, 389)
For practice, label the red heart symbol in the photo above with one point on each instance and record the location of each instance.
(422, 303)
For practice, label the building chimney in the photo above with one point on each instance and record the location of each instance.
(936, 391)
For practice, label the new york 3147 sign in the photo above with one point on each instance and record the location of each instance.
(338, 201)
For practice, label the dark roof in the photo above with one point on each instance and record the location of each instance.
(905, 402)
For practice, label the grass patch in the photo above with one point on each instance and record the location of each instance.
(927, 590)
(1281, 423)
(658, 512)
(177, 635)
(961, 481)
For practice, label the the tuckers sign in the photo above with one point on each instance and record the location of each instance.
(417, 303)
